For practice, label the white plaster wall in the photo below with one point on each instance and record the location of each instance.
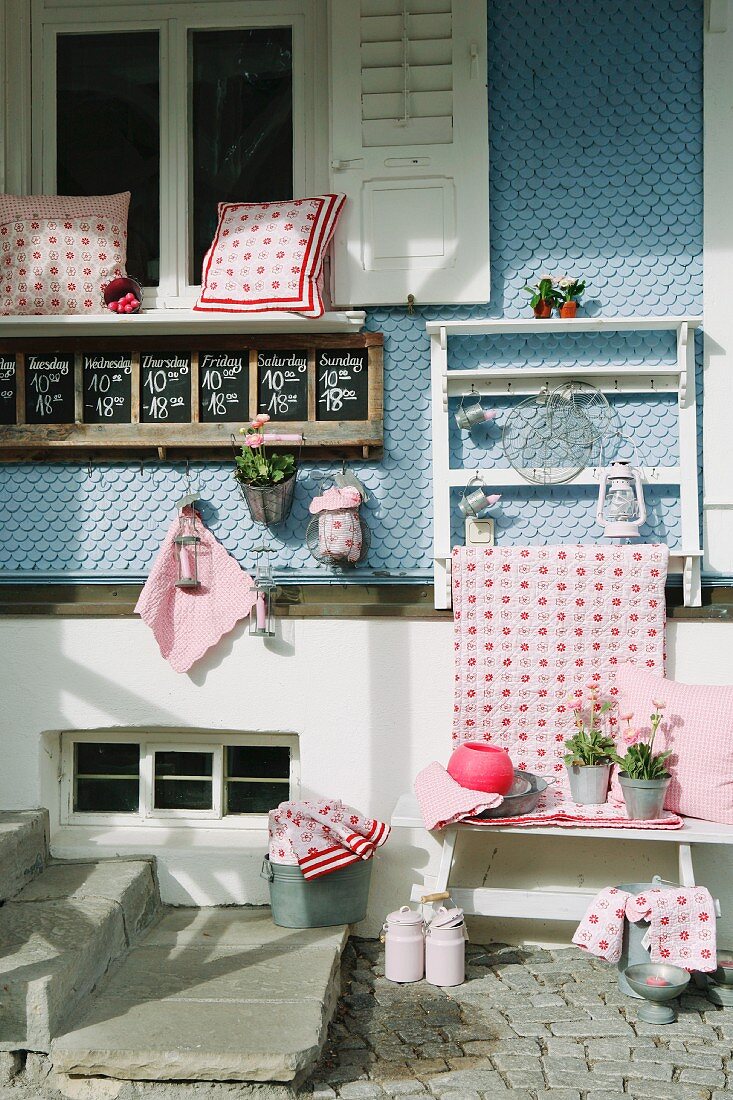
(371, 702)
(718, 228)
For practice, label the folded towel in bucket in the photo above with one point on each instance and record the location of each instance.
(323, 836)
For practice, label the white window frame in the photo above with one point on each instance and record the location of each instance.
(172, 21)
(151, 741)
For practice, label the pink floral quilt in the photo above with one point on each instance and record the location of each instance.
(535, 624)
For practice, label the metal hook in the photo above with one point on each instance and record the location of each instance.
(188, 476)
(343, 465)
(89, 469)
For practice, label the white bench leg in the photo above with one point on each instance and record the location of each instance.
(446, 860)
(687, 874)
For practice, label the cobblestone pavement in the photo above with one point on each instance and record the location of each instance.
(528, 1023)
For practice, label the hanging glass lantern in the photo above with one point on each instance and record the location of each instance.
(621, 508)
(261, 616)
(187, 543)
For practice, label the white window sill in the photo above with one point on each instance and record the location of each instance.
(181, 322)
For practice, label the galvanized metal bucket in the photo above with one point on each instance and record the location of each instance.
(337, 898)
(633, 951)
(644, 798)
(270, 504)
(589, 783)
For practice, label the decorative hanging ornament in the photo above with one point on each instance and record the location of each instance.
(621, 507)
(337, 534)
(474, 502)
(187, 542)
(469, 416)
(261, 616)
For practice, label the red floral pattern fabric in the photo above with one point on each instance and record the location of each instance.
(682, 928)
(320, 837)
(535, 625)
(269, 256)
(58, 252)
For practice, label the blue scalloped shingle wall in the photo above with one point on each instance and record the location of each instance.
(596, 168)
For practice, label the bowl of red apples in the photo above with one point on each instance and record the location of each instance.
(123, 295)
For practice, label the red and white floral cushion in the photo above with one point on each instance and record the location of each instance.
(698, 728)
(269, 256)
(57, 252)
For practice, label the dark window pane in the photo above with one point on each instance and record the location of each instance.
(183, 763)
(254, 798)
(108, 131)
(106, 759)
(255, 761)
(183, 794)
(242, 122)
(106, 795)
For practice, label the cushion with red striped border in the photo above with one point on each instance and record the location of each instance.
(57, 252)
(269, 256)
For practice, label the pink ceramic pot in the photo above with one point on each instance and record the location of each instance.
(482, 767)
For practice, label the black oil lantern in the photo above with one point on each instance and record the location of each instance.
(187, 542)
(261, 616)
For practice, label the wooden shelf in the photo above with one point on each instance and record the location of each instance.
(180, 322)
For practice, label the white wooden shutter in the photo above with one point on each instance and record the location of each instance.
(410, 149)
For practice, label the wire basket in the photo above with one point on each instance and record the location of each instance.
(543, 443)
(270, 504)
(321, 554)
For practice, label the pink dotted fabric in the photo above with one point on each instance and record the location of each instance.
(443, 802)
(698, 728)
(532, 626)
(269, 256)
(187, 622)
(58, 252)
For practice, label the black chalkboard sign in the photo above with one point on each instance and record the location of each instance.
(8, 389)
(342, 384)
(283, 384)
(49, 389)
(165, 387)
(223, 386)
(107, 388)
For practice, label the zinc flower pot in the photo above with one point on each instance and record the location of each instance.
(269, 504)
(543, 309)
(644, 798)
(568, 309)
(589, 783)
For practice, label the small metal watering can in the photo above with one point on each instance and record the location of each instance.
(475, 501)
(468, 416)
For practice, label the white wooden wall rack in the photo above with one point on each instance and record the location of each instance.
(678, 377)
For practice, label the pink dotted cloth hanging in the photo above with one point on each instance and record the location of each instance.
(187, 622)
(339, 528)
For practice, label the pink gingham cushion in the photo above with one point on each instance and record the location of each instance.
(698, 727)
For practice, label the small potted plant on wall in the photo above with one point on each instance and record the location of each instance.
(590, 751)
(267, 479)
(569, 290)
(543, 296)
(643, 774)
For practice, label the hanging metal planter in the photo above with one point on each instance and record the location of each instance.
(270, 504)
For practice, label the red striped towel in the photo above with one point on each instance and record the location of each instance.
(320, 837)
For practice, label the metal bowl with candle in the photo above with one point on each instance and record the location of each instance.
(657, 983)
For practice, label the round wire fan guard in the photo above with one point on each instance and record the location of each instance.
(582, 410)
(322, 555)
(548, 439)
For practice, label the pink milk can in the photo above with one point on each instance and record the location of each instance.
(404, 946)
(445, 948)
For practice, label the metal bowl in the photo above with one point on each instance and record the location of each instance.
(523, 796)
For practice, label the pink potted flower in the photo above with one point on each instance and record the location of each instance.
(266, 478)
(643, 773)
(590, 751)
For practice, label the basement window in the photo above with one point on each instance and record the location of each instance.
(226, 780)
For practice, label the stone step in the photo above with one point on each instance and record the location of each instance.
(23, 849)
(217, 994)
(58, 937)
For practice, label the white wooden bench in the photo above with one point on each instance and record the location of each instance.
(571, 902)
